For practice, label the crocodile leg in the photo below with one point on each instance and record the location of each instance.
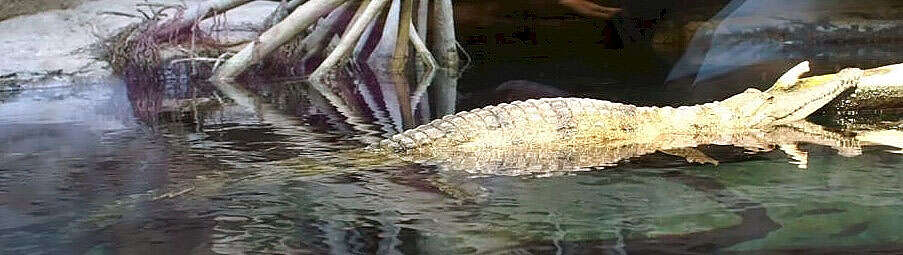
(692, 155)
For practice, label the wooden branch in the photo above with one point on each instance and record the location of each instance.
(442, 34)
(194, 14)
(369, 40)
(358, 13)
(400, 57)
(400, 61)
(444, 93)
(385, 47)
(313, 44)
(118, 14)
(284, 9)
(428, 64)
(423, 10)
(442, 39)
(274, 37)
(349, 39)
(422, 22)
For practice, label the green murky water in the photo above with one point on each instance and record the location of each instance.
(83, 171)
(108, 169)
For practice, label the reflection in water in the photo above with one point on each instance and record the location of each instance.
(65, 152)
(446, 92)
(579, 155)
(177, 166)
(274, 169)
(363, 203)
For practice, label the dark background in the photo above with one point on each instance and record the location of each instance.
(544, 42)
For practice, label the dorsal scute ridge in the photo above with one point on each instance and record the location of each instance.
(465, 125)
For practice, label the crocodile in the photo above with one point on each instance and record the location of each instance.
(568, 157)
(563, 134)
(555, 122)
(754, 120)
(559, 135)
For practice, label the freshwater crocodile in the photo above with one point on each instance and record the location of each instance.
(569, 157)
(581, 135)
(555, 122)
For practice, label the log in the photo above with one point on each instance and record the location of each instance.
(879, 88)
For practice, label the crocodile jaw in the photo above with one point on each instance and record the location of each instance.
(801, 99)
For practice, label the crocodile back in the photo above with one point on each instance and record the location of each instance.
(511, 123)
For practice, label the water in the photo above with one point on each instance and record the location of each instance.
(84, 172)
(111, 168)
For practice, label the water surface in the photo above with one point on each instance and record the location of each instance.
(109, 168)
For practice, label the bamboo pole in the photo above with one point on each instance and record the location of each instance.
(279, 34)
(348, 40)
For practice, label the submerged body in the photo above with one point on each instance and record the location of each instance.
(580, 155)
(554, 122)
(557, 135)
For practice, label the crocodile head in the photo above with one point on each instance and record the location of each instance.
(790, 99)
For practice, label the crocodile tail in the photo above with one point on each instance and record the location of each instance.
(517, 116)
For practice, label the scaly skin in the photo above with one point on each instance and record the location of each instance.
(547, 123)
(576, 155)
